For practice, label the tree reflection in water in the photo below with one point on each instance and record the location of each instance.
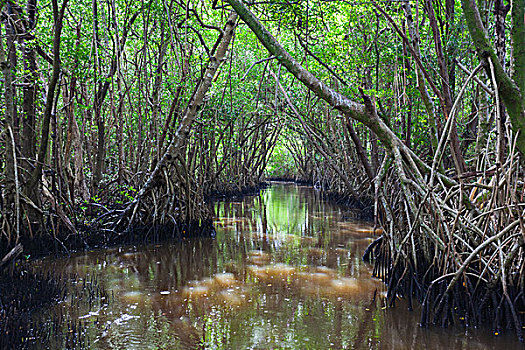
(284, 271)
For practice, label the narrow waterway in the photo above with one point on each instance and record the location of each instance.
(283, 272)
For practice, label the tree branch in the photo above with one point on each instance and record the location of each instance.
(508, 89)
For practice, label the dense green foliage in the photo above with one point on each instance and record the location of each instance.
(122, 114)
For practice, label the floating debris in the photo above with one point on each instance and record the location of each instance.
(124, 318)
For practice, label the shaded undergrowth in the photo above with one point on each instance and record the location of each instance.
(232, 190)
(91, 236)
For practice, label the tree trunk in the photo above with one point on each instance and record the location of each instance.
(10, 112)
(28, 107)
(58, 16)
(500, 12)
(459, 161)
(511, 89)
(179, 142)
(12, 61)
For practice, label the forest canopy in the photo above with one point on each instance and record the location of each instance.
(124, 114)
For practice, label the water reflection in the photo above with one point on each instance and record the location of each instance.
(284, 271)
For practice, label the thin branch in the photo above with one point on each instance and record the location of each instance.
(255, 63)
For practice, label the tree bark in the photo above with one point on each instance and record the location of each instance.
(10, 110)
(12, 32)
(500, 12)
(11, 172)
(511, 89)
(28, 107)
(179, 141)
(459, 161)
(518, 46)
(58, 16)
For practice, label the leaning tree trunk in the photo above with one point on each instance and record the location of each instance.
(434, 232)
(179, 141)
(364, 113)
(510, 88)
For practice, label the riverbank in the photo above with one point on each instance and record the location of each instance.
(274, 255)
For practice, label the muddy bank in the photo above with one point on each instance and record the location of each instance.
(225, 191)
(92, 237)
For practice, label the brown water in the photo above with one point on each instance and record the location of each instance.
(283, 272)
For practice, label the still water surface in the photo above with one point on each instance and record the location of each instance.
(283, 272)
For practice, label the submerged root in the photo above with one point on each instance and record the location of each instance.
(473, 299)
(458, 248)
